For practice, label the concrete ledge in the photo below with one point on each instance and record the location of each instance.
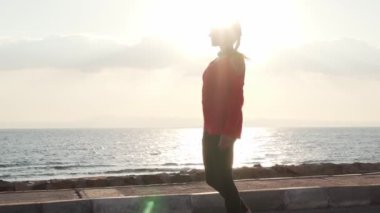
(207, 202)
(264, 200)
(116, 205)
(24, 208)
(375, 195)
(306, 198)
(169, 204)
(75, 206)
(283, 199)
(349, 196)
(351, 209)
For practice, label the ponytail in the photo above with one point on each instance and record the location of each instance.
(237, 34)
(236, 28)
(237, 44)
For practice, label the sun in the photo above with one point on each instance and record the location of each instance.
(266, 25)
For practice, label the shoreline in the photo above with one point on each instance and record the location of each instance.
(194, 175)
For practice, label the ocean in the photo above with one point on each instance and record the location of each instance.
(41, 154)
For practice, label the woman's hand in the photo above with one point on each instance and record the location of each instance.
(226, 142)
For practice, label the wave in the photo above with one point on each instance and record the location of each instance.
(182, 164)
(51, 166)
(63, 167)
(55, 162)
(143, 170)
(192, 164)
(5, 176)
(6, 165)
(170, 164)
(66, 167)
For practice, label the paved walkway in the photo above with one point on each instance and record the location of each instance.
(243, 185)
(187, 188)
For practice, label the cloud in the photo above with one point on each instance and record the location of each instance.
(84, 53)
(339, 57)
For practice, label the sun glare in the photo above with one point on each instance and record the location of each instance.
(266, 25)
(222, 13)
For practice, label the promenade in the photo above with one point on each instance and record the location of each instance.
(324, 193)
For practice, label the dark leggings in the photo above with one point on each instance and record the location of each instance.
(218, 171)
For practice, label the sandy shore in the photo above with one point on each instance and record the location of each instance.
(256, 171)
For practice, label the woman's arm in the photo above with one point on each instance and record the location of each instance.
(234, 102)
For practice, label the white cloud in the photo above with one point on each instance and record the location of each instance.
(346, 57)
(84, 53)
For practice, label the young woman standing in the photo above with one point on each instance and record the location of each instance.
(222, 102)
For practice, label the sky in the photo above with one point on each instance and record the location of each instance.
(139, 63)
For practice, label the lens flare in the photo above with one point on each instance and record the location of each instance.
(148, 207)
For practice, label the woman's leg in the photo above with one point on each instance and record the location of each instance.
(218, 171)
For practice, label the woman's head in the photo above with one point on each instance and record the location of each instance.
(226, 36)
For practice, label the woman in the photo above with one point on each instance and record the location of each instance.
(222, 101)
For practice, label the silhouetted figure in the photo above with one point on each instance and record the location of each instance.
(222, 101)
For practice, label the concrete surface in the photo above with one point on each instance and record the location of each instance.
(343, 193)
(37, 196)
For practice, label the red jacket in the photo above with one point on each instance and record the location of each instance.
(222, 95)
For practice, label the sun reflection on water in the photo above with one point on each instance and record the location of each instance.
(251, 149)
